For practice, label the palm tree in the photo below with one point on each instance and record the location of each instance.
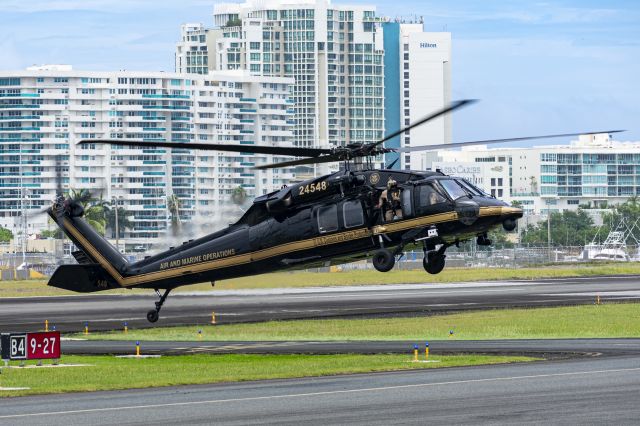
(534, 185)
(94, 208)
(123, 220)
(174, 204)
(239, 195)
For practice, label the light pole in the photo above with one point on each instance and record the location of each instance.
(115, 202)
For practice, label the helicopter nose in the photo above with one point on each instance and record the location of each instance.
(510, 216)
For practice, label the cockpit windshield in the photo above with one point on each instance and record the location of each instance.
(454, 189)
(471, 188)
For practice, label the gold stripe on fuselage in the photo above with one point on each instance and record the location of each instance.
(282, 249)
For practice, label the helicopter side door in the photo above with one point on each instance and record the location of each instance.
(348, 214)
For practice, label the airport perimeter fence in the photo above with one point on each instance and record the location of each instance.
(14, 266)
(500, 257)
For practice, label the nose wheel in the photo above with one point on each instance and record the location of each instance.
(433, 262)
(154, 314)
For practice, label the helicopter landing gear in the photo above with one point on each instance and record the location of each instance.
(482, 240)
(154, 314)
(383, 260)
(433, 262)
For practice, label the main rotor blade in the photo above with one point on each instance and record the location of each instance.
(493, 141)
(316, 160)
(257, 149)
(454, 105)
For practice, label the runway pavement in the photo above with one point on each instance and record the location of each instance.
(111, 311)
(583, 391)
(546, 348)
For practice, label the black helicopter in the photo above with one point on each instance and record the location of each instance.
(356, 213)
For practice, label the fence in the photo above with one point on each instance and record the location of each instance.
(507, 257)
(491, 257)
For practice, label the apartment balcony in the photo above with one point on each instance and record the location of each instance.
(166, 96)
(19, 129)
(19, 95)
(26, 118)
(19, 106)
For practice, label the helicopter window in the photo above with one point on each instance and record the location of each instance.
(429, 196)
(470, 187)
(352, 214)
(453, 188)
(328, 218)
(406, 203)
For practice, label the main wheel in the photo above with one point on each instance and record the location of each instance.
(433, 263)
(153, 315)
(383, 260)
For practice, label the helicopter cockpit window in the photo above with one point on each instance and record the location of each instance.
(353, 214)
(469, 187)
(429, 196)
(328, 218)
(453, 188)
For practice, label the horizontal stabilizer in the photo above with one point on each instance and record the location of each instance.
(84, 278)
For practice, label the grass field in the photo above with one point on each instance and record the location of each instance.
(109, 373)
(610, 320)
(313, 279)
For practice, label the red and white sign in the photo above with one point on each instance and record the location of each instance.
(43, 345)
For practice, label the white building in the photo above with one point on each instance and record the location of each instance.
(417, 68)
(333, 53)
(594, 171)
(193, 51)
(44, 113)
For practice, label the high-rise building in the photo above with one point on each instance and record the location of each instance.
(45, 112)
(417, 67)
(334, 54)
(356, 75)
(193, 51)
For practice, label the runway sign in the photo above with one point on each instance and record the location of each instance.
(30, 346)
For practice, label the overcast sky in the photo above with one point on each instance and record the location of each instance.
(561, 66)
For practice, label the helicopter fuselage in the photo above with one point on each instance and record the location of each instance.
(330, 220)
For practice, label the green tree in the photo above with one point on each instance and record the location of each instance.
(5, 235)
(54, 233)
(236, 22)
(629, 211)
(94, 208)
(239, 195)
(569, 228)
(123, 220)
